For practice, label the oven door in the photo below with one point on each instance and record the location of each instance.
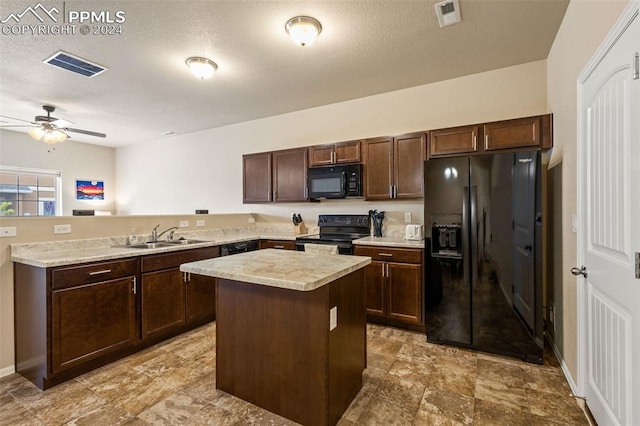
(327, 182)
(343, 246)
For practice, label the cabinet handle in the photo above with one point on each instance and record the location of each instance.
(104, 271)
(385, 254)
(390, 191)
(135, 290)
(475, 142)
(486, 142)
(395, 191)
(383, 270)
(387, 265)
(278, 247)
(184, 277)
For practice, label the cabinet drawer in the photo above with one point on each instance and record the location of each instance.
(95, 272)
(278, 244)
(174, 259)
(390, 254)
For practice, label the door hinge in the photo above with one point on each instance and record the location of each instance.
(636, 65)
(637, 265)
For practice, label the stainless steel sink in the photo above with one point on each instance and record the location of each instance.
(185, 241)
(147, 245)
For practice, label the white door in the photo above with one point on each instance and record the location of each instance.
(524, 211)
(609, 217)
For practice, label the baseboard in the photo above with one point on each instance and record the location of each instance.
(565, 369)
(7, 371)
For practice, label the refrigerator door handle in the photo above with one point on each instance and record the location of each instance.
(466, 259)
(473, 196)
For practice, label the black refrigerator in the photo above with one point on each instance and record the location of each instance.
(483, 280)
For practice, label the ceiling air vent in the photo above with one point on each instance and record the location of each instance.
(75, 64)
(448, 12)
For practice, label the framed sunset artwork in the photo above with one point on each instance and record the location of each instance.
(89, 190)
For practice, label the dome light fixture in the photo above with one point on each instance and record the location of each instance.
(303, 30)
(200, 67)
(48, 134)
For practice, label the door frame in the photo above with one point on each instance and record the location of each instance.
(625, 19)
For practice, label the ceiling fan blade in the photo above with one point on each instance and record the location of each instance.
(84, 132)
(8, 125)
(3, 117)
(60, 122)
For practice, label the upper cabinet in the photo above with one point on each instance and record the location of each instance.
(279, 176)
(393, 167)
(528, 132)
(454, 140)
(338, 153)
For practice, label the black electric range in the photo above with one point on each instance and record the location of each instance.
(339, 230)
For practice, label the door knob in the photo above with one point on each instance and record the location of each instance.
(579, 271)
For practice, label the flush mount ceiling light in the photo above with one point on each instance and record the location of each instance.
(303, 30)
(201, 67)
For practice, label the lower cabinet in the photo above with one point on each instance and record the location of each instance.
(394, 286)
(72, 319)
(169, 298)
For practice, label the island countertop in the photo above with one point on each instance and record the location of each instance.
(294, 270)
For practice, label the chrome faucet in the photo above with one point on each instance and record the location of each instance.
(155, 235)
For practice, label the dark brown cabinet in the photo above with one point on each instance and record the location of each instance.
(91, 319)
(278, 244)
(455, 140)
(393, 167)
(72, 319)
(165, 305)
(279, 176)
(256, 178)
(527, 132)
(337, 153)
(393, 283)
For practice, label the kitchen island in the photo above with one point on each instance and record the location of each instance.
(290, 330)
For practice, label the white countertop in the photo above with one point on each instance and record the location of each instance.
(294, 270)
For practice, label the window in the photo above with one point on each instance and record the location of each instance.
(29, 192)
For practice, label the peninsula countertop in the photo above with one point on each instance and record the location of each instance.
(294, 270)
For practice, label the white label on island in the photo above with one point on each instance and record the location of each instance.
(333, 318)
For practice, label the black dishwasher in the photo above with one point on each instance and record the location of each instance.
(240, 247)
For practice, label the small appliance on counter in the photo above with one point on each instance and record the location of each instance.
(413, 232)
(299, 227)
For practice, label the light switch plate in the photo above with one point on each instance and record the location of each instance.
(333, 318)
(8, 231)
(407, 217)
(184, 224)
(62, 229)
(200, 222)
(252, 220)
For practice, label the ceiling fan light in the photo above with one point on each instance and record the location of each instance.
(200, 67)
(54, 136)
(303, 30)
(37, 133)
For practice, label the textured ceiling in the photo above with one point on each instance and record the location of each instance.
(366, 47)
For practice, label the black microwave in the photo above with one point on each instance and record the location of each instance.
(335, 181)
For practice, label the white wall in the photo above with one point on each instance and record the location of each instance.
(74, 160)
(204, 170)
(586, 23)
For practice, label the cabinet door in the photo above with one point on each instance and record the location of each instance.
(518, 133)
(404, 292)
(256, 178)
(374, 278)
(201, 299)
(347, 152)
(378, 168)
(409, 156)
(455, 140)
(163, 305)
(92, 320)
(321, 155)
(290, 175)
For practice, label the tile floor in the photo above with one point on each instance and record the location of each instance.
(408, 382)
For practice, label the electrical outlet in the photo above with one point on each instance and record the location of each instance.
(407, 217)
(252, 220)
(9, 231)
(200, 222)
(61, 229)
(184, 224)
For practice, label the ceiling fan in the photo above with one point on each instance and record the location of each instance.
(48, 129)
